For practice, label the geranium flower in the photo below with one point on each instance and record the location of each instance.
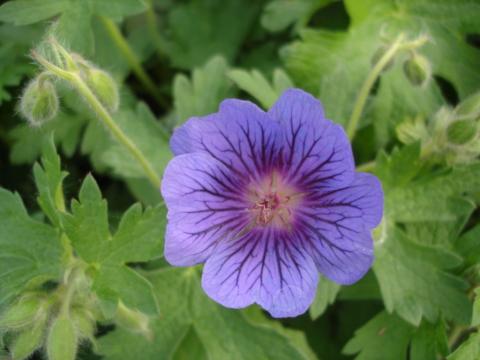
(267, 200)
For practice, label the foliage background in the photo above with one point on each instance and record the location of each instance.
(418, 302)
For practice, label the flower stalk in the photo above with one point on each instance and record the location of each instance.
(398, 45)
(74, 78)
(132, 59)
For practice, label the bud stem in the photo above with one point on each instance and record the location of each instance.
(116, 131)
(103, 115)
(132, 59)
(368, 84)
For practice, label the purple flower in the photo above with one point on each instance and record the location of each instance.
(267, 200)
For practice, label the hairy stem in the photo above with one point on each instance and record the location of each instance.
(104, 116)
(152, 28)
(368, 84)
(132, 59)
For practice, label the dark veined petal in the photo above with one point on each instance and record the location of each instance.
(335, 228)
(204, 207)
(263, 266)
(317, 153)
(241, 136)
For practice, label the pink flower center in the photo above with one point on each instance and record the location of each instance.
(273, 201)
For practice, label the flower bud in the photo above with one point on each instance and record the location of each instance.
(62, 339)
(84, 322)
(133, 320)
(104, 87)
(470, 107)
(39, 102)
(461, 132)
(23, 313)
(417, 70)
(412, 130)
(29, 340)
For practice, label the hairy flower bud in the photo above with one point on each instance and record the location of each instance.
(469, 108)
(133, 320)
(461, 132)
(23, 313)
(104, 87)
(417, 70)
(62, 341)
(29, 340)
(39, 102)
(84, 322)
(412, 130)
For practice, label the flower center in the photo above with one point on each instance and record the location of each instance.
(273, 201)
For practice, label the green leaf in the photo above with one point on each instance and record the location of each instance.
(74, 25)
(118, 9)
(476, 309)
(429, 340)
(49, 179)
(469, 246)
(201, 94)
(28, 141)
(25, 12)
(385, 337)
(14, 65)
(432, 198)
(200, 29)
(138, 239)
(326, 293)
(469, 350)
(255, 84)
(190, 344)
(222, 333)
(415, 283)
(30, 250)
(400, 167)
(279, 14)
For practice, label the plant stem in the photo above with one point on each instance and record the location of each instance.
(456, 334)
(116, 131)
(104, 117)
(368, 84)
(132, 59)
(152, 28)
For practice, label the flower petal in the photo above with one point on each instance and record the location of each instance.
(241, 136)
(317, 153)
(204, 207)
(264, 267)
(335, 228)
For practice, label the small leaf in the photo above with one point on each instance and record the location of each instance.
(326, 293)
(469, 350)
(384, 337)
(139, 238)
(201, 94)
(49, 180)
(31, 251)
(254, 83)
(24, 12)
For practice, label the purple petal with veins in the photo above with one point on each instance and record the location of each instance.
(267, 200)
